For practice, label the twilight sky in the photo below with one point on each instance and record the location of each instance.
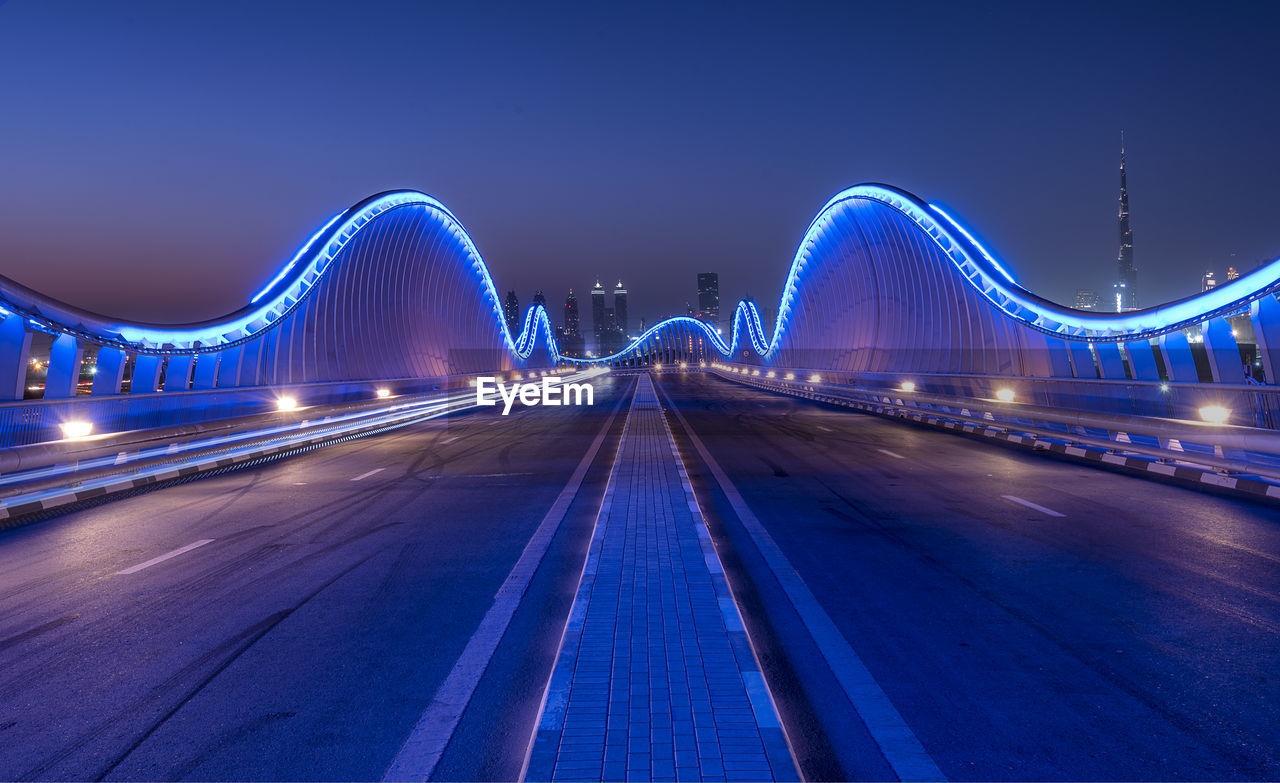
(160, 161)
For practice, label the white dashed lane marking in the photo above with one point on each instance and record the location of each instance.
(893, 454)
(164, 557)
(1033, 506)
(367, 475)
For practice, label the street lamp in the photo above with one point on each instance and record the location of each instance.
(76, 429)
(1215, 414)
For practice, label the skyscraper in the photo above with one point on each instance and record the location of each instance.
(539, 299)
(620, 307)
(597, 309)
(1086, 299)
(709, 298)
(571, 341)
(1208, 281)
(511, 312)
(1127, 279)
(571, 315)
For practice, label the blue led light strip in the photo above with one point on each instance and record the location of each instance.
(299, 276)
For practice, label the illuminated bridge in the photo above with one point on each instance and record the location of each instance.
(287, 543)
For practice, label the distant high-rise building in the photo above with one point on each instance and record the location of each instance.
(539, 299)
(620, 307)
(1086, 299)
(1232, 273)
(1208, 282)
(597, 309)
(571, 315)
(709, 298)
(571, 340)
(1127, 279)
(511, 312)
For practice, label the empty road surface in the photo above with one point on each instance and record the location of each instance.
(1010, 615)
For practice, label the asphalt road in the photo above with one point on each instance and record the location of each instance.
(1098, 627)
(304, 640)
(1123, 630)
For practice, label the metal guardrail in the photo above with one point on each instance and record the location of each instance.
(1221, 447)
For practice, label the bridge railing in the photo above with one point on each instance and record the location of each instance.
(1250, 405)
(1208, 439)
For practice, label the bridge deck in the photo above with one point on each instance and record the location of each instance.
(656, 678)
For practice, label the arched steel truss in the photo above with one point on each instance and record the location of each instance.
(885, 281)
(881, 281)
(390, 288)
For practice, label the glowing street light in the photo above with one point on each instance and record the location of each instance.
(383, 393)
(286, 404)
(908, 386)
(76, 429)
(815, 378)
(1215, 414)
(1004, 395)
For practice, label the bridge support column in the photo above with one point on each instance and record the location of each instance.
(229, 368)
(15, 352)
(1082, 359)
(1058, 356)
(1142, 360)
(1111, 361)
(1178, 361)
(251, 362)
(207, 365)
(146, 374)
(110, 373)
(1265, 316)
(64, 367)
(1224, 353)
(177, 373)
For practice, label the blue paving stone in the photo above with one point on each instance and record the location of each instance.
(649, 657)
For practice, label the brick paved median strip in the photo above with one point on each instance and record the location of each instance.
(655, 679)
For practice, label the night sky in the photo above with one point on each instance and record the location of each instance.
(160, 161)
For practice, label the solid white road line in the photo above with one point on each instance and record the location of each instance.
(1034, 506)
(164, 557)
(893, 454)
(422, 751)
(447, 441)
(367, 475)
(825, 429)
(898, 743)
